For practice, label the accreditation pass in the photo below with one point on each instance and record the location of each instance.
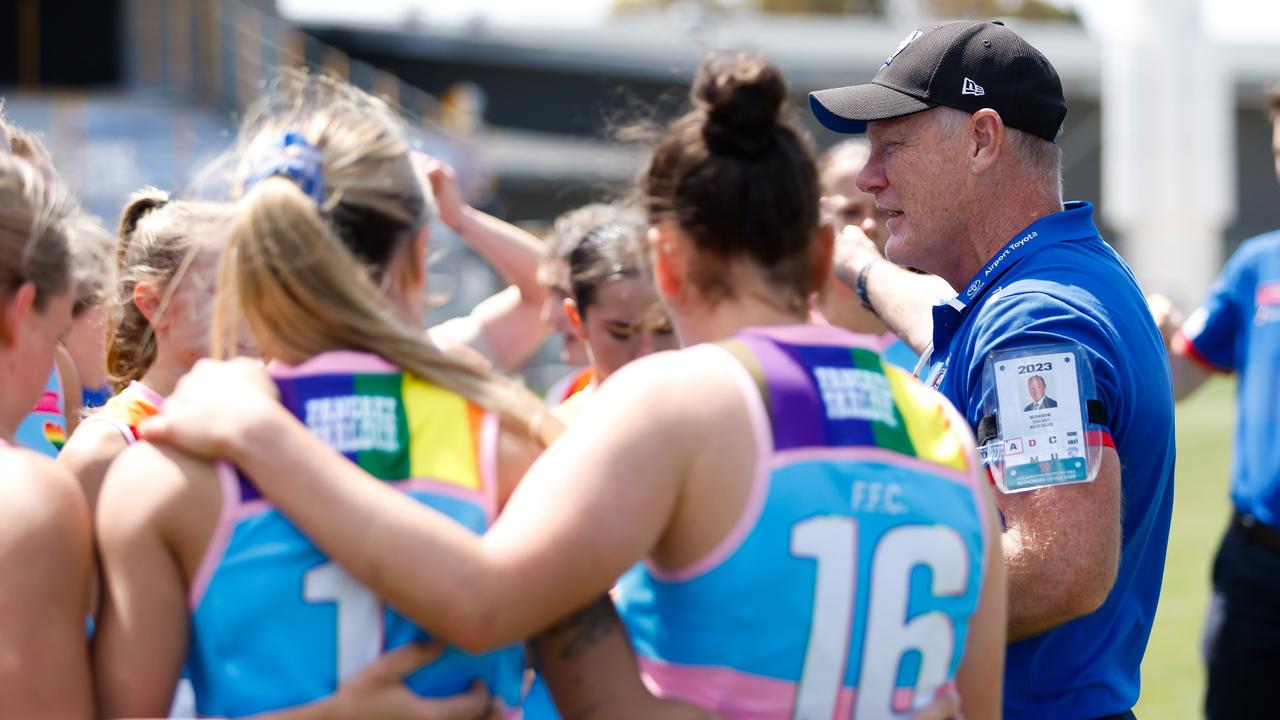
(1041, 423)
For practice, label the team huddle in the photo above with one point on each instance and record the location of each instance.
(788, 481)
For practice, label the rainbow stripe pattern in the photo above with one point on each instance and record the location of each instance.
(44, 429)
(128, 408)
(846, 585)
(274, 622)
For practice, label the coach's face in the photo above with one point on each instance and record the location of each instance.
(919, 180)
(1036, 387)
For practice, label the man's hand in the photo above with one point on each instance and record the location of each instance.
(853, 250)
(1187, 374)
(1167, 316)
(378, 692)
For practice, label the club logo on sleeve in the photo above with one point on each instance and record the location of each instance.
(1267, 301)
(971, 88)
(855, 394)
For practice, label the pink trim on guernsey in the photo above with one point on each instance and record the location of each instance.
(816, 335)
(151, 396)
(439, 487)
(489, 436)
(870, 454)
(217, 546)
(744, 696)
(977, 476)
(116, 423)
(887, 339)
(735, 694)
(148, 394)
(337, 361)
(763, 433)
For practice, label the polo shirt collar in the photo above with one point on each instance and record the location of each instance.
(1075, 222)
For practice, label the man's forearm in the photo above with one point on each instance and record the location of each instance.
(1187, 374)
(903, 299)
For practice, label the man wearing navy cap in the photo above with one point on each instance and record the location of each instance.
(962, 119)
(1237, 330)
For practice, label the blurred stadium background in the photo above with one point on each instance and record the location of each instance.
(1166, 133)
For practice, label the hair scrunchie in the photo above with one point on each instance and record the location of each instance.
(294, 158)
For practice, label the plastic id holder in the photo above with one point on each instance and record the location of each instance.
(1039, 400)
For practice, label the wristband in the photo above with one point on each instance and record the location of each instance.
(861, 286)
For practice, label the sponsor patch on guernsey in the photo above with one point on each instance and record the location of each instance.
(856, 394)
(355, 423)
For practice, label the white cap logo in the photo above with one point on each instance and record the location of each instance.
(971, 88)
(903, 45)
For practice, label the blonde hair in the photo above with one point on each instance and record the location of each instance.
(33, 232)
(288, 262)
(93, 267)
(159, 238)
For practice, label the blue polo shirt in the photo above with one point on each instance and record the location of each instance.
(1058, 281)
(1238, 330)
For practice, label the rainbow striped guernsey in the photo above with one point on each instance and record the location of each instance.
(274, 622)
(126, 410)
(846, 586)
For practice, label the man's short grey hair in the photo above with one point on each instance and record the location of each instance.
(1039, 156)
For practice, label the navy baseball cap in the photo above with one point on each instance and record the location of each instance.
(966, 65)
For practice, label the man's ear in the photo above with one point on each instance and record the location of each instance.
(20, 304)
(575, 318)
(986, 140)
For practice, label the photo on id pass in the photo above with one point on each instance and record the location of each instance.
(1041, 418)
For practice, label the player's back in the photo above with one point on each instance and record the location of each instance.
(846, 586)
(275, 623)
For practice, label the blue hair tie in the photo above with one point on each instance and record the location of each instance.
(294, 158)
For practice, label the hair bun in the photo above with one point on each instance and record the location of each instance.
(741, 96)
(140, 204)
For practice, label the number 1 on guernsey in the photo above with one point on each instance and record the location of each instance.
(359, 615)
(832, 542)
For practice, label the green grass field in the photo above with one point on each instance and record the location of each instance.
(1173, 672)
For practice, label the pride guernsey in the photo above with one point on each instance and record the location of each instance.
(126, 410)
(274, 622)
(846, 587)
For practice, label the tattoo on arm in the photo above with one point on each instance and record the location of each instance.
(565, 649)
(577, 633)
